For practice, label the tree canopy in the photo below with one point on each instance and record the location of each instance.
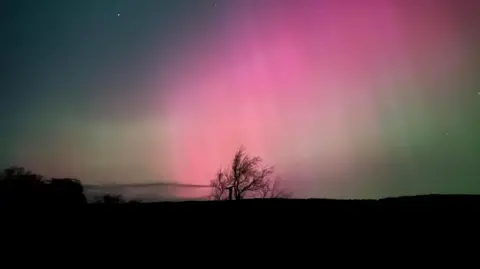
(246, 178)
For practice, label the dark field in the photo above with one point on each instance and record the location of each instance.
(290, 215)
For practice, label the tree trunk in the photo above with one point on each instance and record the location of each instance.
(230, 193)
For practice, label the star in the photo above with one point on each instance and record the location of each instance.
(446, 133)
(118, 14)
(214, 4)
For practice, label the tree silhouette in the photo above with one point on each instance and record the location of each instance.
(18, 185)
(246, 178)
(273, 190)
(66, 190)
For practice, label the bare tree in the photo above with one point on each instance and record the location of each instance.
(273, 190)
(219, 186)
(246, 178)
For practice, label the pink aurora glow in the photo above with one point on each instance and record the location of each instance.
(299, 83)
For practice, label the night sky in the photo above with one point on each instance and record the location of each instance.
(348, 99)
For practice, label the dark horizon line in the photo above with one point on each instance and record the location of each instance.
(91, 186)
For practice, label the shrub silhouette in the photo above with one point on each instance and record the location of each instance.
(111, 199)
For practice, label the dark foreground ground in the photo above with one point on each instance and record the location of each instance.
(249, 219)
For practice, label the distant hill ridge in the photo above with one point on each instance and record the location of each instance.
(153, 184)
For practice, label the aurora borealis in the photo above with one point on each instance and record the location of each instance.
(348, 99)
